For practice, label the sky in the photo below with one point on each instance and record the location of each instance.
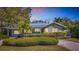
(49, 13)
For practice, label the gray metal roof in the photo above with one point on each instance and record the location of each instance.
(38, 25)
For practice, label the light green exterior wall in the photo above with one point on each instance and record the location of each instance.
(51, 28)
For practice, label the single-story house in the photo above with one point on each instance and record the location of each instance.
(41, 28)
(53, 27)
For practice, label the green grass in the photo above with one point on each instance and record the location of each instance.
(74, 40)
(33, 48)
(2, 36)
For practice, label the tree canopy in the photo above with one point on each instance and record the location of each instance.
(14, 15)
(72, 25)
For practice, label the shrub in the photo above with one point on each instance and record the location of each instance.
(34, 35)
(75, 32)
(2, 36)
(9, 41)
(54, 34)
(59, 34)
(48, 41)
(20, 43)
(31, 41)
(26, 42)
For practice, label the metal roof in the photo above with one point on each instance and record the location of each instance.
(38, 25)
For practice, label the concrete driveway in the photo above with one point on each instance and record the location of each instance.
(69, 45)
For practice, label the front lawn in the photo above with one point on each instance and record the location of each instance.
(74, 40)
(33, 48)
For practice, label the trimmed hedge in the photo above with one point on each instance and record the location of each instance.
(30, 41)
(48, 41)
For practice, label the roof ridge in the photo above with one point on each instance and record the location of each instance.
(55, 23)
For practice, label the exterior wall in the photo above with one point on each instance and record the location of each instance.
(16, 32)
(52, 29)
(56, 30)
(37, 30)
(46, 30)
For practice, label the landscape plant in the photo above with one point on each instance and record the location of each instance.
(2, 36)
(30, 41)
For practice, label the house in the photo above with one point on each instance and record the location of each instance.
(37, 28)
(53, 27)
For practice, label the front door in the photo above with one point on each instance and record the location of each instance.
(10, 32)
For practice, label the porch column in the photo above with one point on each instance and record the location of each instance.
(12, 32)
(8, 32)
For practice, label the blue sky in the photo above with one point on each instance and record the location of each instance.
(46, 13)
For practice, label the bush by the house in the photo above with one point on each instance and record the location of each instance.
(48, 41)
(26, 42)
(75, 32)
(59, 34)
(54, 34)
(34, 35)
(2, 36)
(31, 41)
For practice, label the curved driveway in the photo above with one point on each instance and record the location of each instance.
(69, 45)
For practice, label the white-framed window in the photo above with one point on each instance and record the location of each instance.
(37, 30)
(46, 29)
(16, 32)
(54, 29)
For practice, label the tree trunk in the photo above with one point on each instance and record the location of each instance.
(23, 32)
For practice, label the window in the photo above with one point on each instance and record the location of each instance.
(16, 32)
(37, 30)
(46, 29)
(54, 29)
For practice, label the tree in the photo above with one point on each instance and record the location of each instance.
(65, 21)
(73, 26)
(58, 19)
(24, 26)
(24, 22)
(13, 15)
(9, 15)
(75, 31)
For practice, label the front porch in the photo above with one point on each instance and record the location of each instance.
(8, 31)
